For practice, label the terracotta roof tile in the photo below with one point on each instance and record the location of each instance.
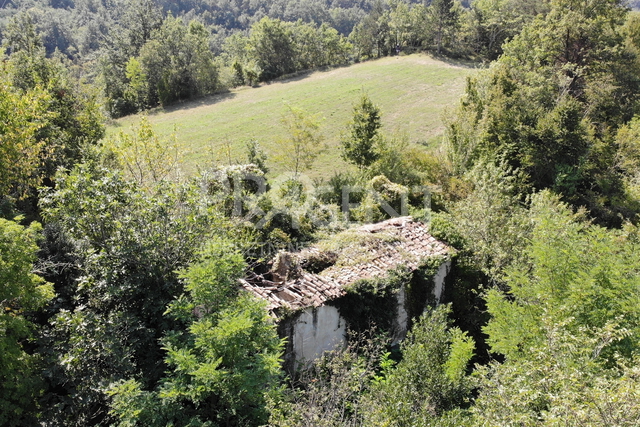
(402, 242)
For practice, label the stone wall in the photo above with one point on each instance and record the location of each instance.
(312, 331)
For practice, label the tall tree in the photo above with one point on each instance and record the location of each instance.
(551, 102)
(578, 276)
(359, 143)
(569, 327)
(69, 117)
(303, 142)
(223, 365)
(178, 62)
(21, 153)
(443, 18)
(127, 245)
(21, 293)
(497, 21)
(272, 47)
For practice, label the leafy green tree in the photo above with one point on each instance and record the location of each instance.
(568, 327)
(497, 21)
(429, 381)
(627, 162)
(443, 17)
(550, 103)
(21, 294)
(125, 82)
(72, 119)
(359, 143)
(407, 26)
(575, 275)
(127, 244)
(21, 35)
(140, 19)
(137, 91)
(256, 156)
(370, 36)
(493, 219)
(272, 47)
(318, 46)
(178, 62)
(562, 382)
(396, 160)
(146, 159)
(21, 153)
(303, 142)
(224, 364)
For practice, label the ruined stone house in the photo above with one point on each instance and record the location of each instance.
(384, 273)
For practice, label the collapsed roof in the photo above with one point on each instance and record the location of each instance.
(320, 273)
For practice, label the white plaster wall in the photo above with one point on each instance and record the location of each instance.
(322, 329)
(317, 330)
(438, 280)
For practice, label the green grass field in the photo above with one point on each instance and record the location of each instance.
(411, 91)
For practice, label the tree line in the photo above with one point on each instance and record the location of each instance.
(146, 53)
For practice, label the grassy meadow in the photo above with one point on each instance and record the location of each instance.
(412, 92)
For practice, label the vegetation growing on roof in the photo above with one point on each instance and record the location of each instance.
(356, 247)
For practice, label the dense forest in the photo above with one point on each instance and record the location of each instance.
(119, 301)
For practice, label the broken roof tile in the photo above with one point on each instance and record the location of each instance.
(399, 241)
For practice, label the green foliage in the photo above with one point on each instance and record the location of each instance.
(550, 103)
(21, 294)
(362, 385)
(497, 21)
(211, 282)
(492, 222)
(21, 154)
(223, 366)
(50, 118)
(165, 61)
(318, 46)
(235, 188)
(140, 19)
(275, 48)
(383, 200)
(330, 391)
(144, 157)
(404, 26)
(576, 275)
(303, 142)
(429, 381)
(178, 62)
(364, 146)
(420, 289)
(443, 17)
(395, 157)
(292, 213)
(560, 382)
(627, 161)
(373, 302)
(137, 92)
(369, 36)
(128, 244)
(359, 143)
(271, 44)
(256, 156)
(331, 191)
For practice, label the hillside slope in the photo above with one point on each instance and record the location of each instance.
(412, 92)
